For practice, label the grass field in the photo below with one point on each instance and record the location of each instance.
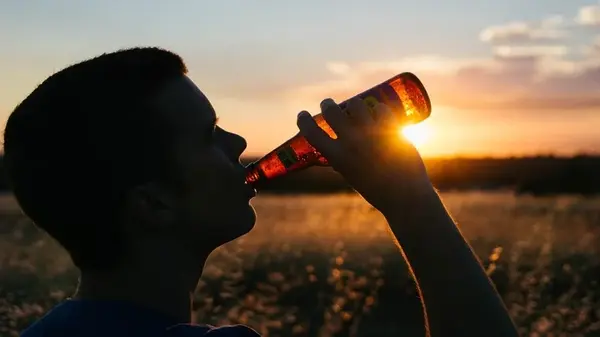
(334, 271)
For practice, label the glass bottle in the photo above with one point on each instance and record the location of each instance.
(403, 93)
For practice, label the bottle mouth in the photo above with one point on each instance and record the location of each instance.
(420, 96)
(252, 174)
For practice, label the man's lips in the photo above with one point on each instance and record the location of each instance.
(251, 190)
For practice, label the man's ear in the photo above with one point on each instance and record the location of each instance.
(151, 204)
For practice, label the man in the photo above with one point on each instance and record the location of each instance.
(120, 159)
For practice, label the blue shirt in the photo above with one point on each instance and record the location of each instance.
(87, 318)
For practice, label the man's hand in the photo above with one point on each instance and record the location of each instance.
(458, 297)
(385, 169)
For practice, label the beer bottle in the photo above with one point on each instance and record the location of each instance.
(403, 93)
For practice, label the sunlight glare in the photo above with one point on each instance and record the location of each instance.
(418, 134)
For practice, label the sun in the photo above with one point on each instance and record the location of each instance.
(417, 134)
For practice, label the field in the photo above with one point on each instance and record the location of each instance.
(334, 271)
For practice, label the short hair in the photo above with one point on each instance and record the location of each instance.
(81, 139)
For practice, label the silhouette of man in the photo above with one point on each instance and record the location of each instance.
(120, 159)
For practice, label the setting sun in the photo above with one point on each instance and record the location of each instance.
(417, 134)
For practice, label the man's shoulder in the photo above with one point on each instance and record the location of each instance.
(88, 319)
(185, 330)
(40, 329)
(49, 325)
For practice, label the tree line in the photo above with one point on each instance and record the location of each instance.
(540, 175)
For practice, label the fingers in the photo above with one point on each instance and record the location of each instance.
(352, 124)
(356, 128)
(315, 136)
(385, 115)
(336, 118)
(387, 120)
(360, 112)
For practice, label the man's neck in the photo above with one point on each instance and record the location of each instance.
(166, 288)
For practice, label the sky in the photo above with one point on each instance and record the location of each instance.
(505, 78)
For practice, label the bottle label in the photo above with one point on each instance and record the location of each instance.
(383, 93)
(371, 102)
(287, 155)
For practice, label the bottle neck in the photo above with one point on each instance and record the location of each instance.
(252, 174)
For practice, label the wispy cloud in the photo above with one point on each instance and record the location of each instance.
(552, 28)
(532, 65)
(588, 16)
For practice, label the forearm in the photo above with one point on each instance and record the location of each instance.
(458, 297)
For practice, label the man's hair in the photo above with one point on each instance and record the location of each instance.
(81, 139)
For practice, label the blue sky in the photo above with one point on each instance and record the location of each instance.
(260, 62)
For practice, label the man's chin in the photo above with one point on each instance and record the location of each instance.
(246, 224)
(240, 226)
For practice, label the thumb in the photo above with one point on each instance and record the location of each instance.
(315, 136)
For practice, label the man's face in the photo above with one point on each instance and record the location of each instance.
(212, 207)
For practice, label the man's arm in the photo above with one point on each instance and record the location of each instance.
(458, 297)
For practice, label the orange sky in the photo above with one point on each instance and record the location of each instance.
(505, 78)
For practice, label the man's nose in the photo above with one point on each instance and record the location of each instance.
(240, 144)
(235, 144)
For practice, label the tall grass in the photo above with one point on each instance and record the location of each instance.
(334, 271)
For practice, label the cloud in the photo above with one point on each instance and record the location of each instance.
(524, 82)
(507, 51)
(593, 49)
(549, 64)
(501, 82)
(588, 16)
(531, 66)
(551, 28)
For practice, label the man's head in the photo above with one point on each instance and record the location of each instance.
(122, 148)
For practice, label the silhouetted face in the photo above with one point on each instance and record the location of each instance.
(211, 205)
